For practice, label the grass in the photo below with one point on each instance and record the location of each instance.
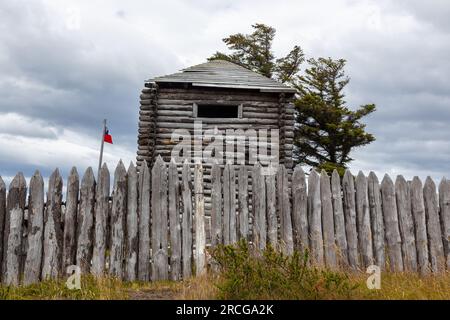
(250, 274)
(92, 288)
(271, 275)
(247, 274)
(393, 287)
(405, 286)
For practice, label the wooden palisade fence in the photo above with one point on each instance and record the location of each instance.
(154, 227)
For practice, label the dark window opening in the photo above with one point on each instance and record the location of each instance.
(217, 111)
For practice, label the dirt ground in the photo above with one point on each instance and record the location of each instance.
(152, 294)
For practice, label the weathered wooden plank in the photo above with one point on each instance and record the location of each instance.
(228, 204)
(284, 210)
(406, 224)
(118, 216)
(174, 222)
(184, 98)
(144, 223)
(166, 120)
(101, 218)
(200, 235)
(53, 232)
(315, 218)
(444, 206)
(243, 203)
(216, 206)
(327, 221)
(339, 220)
(392, 231)
(254, 124)
(259, 207)
(186, 223)
(85, 219)
(70, 219)
(160, 268)
(33, 262)
(232, 197)
(348, 192)
(376, 219)
(363, 220)
(300, 210)
(435, 244)
(2, 219)
(259, 115)
(271, 200)
(420, 224)
(12, 240)
(132, 225)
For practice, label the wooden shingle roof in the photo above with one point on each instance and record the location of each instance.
(224, 74)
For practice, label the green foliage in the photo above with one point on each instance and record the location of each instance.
(327, 130)
(254, 51)
(329, 167)
(286, 68)
(250, 274)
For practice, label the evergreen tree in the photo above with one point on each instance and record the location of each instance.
(254, 51)
(326, 130)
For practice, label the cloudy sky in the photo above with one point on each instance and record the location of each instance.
(66, 65)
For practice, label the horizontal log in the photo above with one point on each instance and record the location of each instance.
(188, 106)
(289, 134)
(176, 113)
(144, 153)
(261, 107)
(147, 96)
(146, 112)
(220, 126)
(212, 121)
(146, 102)
(261, 115)
(213, 96)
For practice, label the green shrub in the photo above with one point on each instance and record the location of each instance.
(250, 274)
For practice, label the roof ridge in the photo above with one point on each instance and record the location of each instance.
(224, 73)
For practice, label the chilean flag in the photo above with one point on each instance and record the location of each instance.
(107, 137)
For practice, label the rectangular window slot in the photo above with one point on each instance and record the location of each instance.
(218, 111)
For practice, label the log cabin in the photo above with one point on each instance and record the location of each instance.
(221, 96)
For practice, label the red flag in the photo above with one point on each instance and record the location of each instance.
(107, 138)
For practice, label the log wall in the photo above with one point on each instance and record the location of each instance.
(165, 109)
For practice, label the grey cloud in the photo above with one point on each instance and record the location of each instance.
(61, 76)
(13, 124)
(435, 12)
(121, 14)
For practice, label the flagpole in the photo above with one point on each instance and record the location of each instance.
(101, 149)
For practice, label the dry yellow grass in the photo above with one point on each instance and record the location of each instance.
(409, 286)
(394, 286)
(200, 288)
(92, 288)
